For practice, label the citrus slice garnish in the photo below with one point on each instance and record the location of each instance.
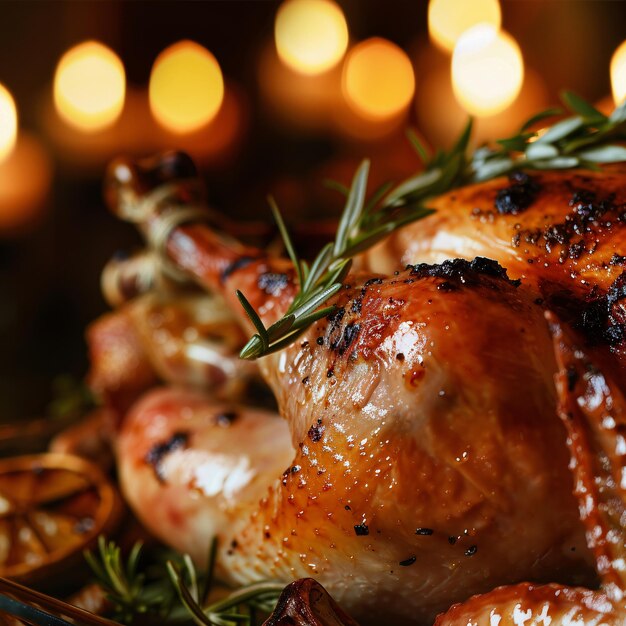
(52, 507)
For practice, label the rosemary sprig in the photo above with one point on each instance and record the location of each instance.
(175, 593)
(239, 607)
(361, 225)
(584, 139)
(127, 587)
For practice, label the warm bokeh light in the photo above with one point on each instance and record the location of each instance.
(89, 86)
(25, 177)
(618, 74)
(487, 70)
(186, 87)
(449, 19)
(8, 123)
(378, 80)
(311, 35)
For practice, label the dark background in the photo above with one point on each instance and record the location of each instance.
(49, 272)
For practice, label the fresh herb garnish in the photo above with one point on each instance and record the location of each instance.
(239, 607)
(585, 139)
(174, 592)
(129, 589)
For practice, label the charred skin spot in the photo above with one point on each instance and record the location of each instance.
(518, 196)
(316, 431)
(361, 530)
(350, 332)
(357, 303)
(603, 318)
(272, 283)
(577, 233)
(236, 265)
(572, 378)
(461, 271)
(294, 469)
(158, 452)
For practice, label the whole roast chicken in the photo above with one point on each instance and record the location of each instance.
(420, 458)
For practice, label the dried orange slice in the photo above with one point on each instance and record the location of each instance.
(52, 506)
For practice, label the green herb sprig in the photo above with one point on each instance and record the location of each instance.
(240, 607)
(585, 139)
(128, 588)
(175, 593)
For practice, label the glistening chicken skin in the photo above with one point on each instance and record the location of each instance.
(548, 228)
(561, 233)
(422, 415)
(593, 408)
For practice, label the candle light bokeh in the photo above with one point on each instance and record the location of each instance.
(487, 70)
(89, 86)
(267, 97)
(186, 87)
(8, 123)
(618, 74)
(311, 35)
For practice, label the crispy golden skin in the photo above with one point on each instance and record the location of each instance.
(593, 407)
(569, 229)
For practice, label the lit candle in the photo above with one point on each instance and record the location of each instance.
(89, 87)
(618, 74)
(86, 115)
(449, 19)
(487, 70)
(442, 117)
(378, 84)
(186, 87)
(93, 116)
(25, 170)
(194, 109)
(311, 35)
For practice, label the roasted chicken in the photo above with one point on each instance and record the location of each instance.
(423, 457)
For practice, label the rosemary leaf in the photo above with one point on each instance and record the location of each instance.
(284, 233)
(604, 154)
(541, 151)
(418, 146)
(354, 207)
(589, 113)
(562, 129)
(335, 185)
(539, 117)
(557, 163)
(255, 319)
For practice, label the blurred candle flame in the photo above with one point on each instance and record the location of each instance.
(449, 19)
(186, 87)
(311, 35)
(487, 70)
(8, 123)
(378, 80)
(90, 86)
(618, 74)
